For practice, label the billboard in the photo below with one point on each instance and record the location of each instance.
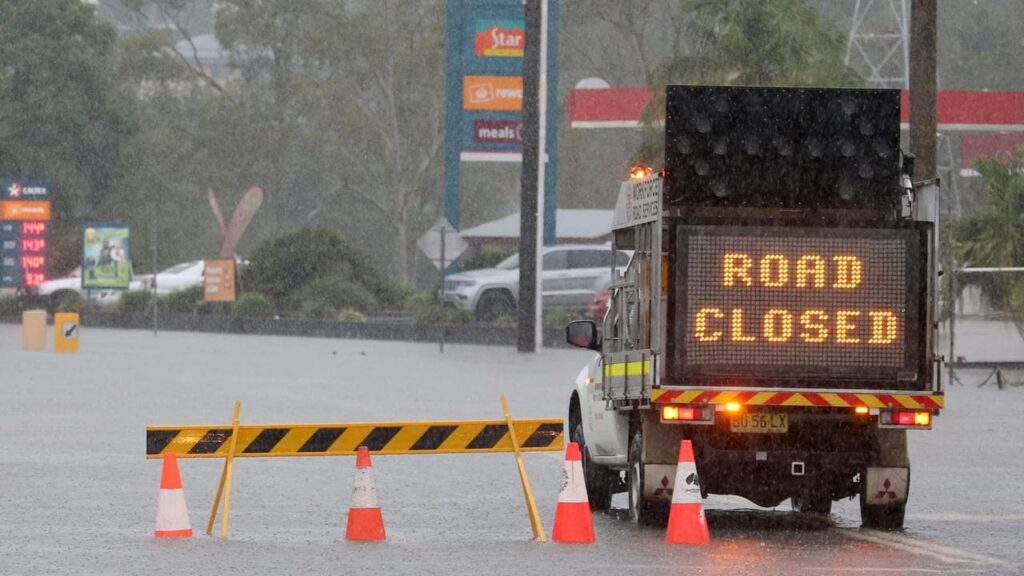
(796, 303)
(219, 280)
(486, 43)
(106, 259)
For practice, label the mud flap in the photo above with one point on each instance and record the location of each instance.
(658, 481)
(886, 486)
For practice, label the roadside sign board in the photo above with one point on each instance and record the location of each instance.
(24, 250)
(430, 243)
(106, 260)
(219, 280)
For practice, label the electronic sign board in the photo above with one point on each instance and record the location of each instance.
(784, 305)
(25, 211)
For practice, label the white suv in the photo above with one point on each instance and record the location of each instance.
(572, 276)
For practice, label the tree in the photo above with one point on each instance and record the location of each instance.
(334, 108)
(62, 116)
(993, 236)
(749, 43)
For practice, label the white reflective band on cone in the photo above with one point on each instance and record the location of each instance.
(573, 489)
(171, 512)
(686, 489)
(364, 492)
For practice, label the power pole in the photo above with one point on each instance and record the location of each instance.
(528, 253)
(923, 126)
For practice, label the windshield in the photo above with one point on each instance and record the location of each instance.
(178, 268)
(510, 263)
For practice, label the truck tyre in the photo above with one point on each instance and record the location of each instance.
(596, 477)
(642, 510)
(812, 503)
(601, 482)
(494, 304)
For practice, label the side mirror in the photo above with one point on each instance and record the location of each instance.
(582, 334)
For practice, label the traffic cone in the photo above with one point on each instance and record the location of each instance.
(686, 522)
(572, 515)
(364, 519)
(171, 511)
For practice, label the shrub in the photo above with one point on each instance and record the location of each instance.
(183, 301)
(319, 310)
(70, 302)
(285, 266)
(135, 303)
(486, 257)
(351, 315)
(10, 306)
(559, 318)
(252, 305)
(506, 321)
(427, 310)
(338, 292)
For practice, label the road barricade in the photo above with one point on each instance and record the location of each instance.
(345, 439)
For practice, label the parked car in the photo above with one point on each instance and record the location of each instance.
(572, 276)
(178, 277)
(598, 306)
(54, 292)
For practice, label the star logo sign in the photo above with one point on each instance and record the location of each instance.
(14, 190)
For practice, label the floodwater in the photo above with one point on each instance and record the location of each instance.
(77, 495)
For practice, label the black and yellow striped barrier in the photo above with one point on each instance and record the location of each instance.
(465, 436)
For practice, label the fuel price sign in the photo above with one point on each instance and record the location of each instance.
(24, 214)
(793, 304)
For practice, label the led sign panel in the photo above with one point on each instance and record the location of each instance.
(796, 303)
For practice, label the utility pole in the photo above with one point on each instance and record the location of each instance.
(528, 253)
(923, 126)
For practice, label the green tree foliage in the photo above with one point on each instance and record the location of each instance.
(62, 117)
(334, 108)
(749, 43)
(993, 236)
(298, 264)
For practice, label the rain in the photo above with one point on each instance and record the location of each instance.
(739, 266)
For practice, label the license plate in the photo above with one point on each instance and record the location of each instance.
(759, 423)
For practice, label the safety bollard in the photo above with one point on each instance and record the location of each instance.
(33, 329)
(66, 327)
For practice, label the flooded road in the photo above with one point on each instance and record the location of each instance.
(77, 495)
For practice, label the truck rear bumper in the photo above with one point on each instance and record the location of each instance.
(823, 450)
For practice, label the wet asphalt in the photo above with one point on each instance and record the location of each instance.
(77, 495)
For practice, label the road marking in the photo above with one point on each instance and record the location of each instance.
(920, 547)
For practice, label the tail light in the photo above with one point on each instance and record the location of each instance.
(905, 419)
(688, 414)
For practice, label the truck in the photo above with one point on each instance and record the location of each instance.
(778, 309)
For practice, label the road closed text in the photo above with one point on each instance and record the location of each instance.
(779, 298)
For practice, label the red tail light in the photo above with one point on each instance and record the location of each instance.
(695, 414)
(907, 418)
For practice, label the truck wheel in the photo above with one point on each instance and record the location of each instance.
(643, 511)
(494, 304)
(596, 477)
(812, 503)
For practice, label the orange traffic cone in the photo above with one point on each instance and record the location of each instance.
(686, 522)
(171, 511)
(364, 519)
(572, 515)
